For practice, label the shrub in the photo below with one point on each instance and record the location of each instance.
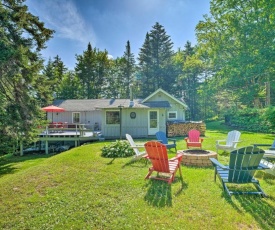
(269, 115)
(117, 149)
(249, 119)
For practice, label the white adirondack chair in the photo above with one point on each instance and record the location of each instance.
(268, 155)
(136, 148)
(269, 164)
(230, 143)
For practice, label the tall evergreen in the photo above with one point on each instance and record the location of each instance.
(128, 69)
(155, 61)
(145, 64)
(192, 69)
(69, 88)
(92, 69)
(22, 36)
(114, 82)
(48, 73)
(161, 55)
(59, 74)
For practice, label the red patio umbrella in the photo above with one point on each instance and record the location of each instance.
(52, 108)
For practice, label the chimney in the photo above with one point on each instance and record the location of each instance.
(131, 96)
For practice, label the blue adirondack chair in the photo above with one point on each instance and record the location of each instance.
(161, 137)
(243, 164)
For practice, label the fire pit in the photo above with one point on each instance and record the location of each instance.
(197, 157)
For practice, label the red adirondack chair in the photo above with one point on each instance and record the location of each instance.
(164, 167)
(193, 139)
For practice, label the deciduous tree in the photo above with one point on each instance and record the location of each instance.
(239, 38)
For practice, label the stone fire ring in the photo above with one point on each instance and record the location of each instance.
(197, 157)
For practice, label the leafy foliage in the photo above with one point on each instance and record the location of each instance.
(117, 149)
(269, 116)
(238, 37)
(250, 120)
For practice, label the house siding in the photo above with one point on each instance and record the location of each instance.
(175, 106)
(136, 127)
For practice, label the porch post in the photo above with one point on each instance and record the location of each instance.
(120, 125)
(21, 148)
(46, 147)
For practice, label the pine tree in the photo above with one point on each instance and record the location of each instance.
(128, 69)
(92, 70)
(161, 56)
(114, 82)
(22, 36)
(59, 73)
(192, 73)
(145, 63)
(69, 87)
(155, 61)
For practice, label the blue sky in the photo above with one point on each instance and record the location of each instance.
(109, 24)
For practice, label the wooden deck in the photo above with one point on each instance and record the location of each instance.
(75, 135)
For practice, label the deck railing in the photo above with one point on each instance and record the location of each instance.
(78, 129)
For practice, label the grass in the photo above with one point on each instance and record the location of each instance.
(79, 189)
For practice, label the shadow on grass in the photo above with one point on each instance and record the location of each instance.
(6, 169)
(111, 162)
(262, 209)
(259, 208)
(224, 153)
(159, 193)
(8, 162)
(140, 163)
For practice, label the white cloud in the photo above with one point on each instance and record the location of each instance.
(64, 18)
(110, 56)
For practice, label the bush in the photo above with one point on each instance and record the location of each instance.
(249, 119)
(269, 115)
(117, 149)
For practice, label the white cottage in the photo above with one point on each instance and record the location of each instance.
(116, 117)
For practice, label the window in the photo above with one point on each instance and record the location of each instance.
(112, 118)
(76, 118)
(172, 115)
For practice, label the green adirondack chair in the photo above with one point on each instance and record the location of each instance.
(243, 164)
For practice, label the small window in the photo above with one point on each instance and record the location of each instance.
(172, 115)
(76, 118)
(112, 118)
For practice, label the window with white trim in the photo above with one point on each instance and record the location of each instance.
(76, 117)
(172, 115)
(112, 118)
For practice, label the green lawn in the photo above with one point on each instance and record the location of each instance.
(79, 189)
